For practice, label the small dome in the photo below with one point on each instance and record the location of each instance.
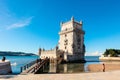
(72, 18)
(81, 22)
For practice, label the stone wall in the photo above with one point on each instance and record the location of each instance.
(48, 53)
(5, 67)
(75, 57)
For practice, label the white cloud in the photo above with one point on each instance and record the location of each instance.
(19, 24)
(96, 53)
(9, 20)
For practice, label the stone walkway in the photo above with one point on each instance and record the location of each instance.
(113, 75)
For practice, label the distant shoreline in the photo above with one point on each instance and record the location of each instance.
(8, 53)
(18, 55)
(109, 58)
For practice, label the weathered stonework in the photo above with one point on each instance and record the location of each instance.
(71, 43)
(48, 53)
(72, 40)
(5, 67)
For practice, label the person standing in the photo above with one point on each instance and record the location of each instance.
(4, 58)
(103, 67)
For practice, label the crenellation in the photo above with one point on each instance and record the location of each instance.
(48, 53)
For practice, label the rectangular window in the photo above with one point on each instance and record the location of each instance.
(65, 47)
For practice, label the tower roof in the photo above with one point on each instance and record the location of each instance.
(72, 20)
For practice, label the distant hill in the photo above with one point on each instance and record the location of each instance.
(9, 53)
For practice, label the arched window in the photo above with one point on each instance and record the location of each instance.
(65, 35)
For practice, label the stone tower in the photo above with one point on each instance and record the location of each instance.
(72, 40)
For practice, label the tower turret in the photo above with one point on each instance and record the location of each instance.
(39, 51)
(72, 40)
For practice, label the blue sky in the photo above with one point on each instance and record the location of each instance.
(26, 25)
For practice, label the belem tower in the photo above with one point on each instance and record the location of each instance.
(70, 46)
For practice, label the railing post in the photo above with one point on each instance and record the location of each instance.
(25, 67)
(38, 63)
(33, 69)
(21, 69)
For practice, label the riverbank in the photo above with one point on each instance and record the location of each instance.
(110, 75)
(107, 66)
(102, 58)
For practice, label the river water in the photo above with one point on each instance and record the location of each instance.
(18, 61)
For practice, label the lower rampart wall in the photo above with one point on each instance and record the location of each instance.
(50, 54)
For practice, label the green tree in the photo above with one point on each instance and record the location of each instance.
(112, 52)
(106, 53)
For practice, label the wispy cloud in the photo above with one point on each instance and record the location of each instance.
(9, 20)
(96, 53)
(19, 24)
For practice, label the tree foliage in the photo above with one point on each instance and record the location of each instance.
(112, 52)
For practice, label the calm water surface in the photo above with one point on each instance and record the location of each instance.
(18, 61)
(73, 67)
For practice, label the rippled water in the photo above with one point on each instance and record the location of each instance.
(18, 61)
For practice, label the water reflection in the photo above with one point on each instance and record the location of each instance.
(66, 68)
(72, 67)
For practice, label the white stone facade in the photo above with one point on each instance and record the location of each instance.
(71, 42)
(48, 53)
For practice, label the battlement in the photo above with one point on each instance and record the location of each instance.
(48, 53)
